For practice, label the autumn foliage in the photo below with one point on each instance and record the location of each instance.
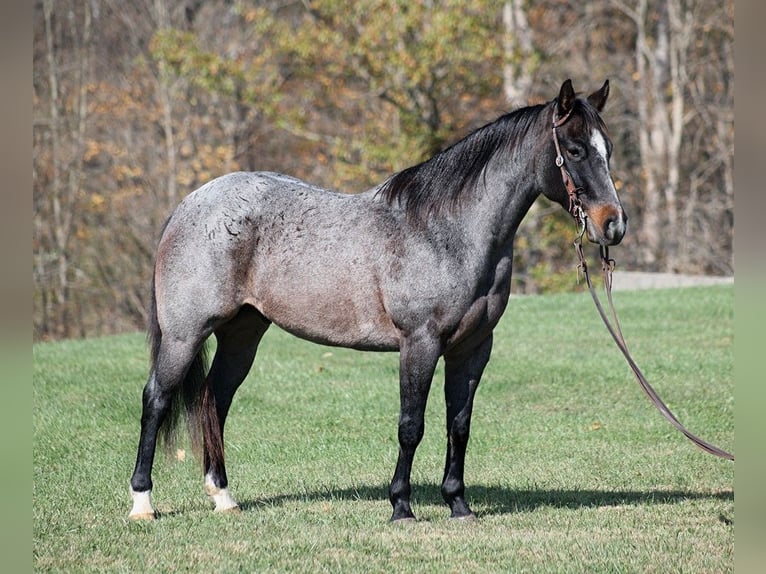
(136, 104)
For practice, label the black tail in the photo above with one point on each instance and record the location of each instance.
(188, 396)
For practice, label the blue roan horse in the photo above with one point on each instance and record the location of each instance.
(421, 264)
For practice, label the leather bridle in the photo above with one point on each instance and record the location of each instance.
(607, 267)
(575, 205)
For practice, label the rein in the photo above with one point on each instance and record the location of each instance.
(607, 267)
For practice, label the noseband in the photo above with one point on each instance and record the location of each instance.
(607, 266)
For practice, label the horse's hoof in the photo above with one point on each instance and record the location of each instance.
(404, 520)
(230, 510)
(142, 505)
(465, 518)
(141, 516)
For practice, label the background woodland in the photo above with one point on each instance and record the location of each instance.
(137, 103)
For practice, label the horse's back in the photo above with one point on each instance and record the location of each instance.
(253, 207)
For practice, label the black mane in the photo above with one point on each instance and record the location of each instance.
(440, 182)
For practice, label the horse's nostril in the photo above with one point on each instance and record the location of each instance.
(614, 226)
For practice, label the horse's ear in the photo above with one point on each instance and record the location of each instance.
(566, 99)
(598, 98)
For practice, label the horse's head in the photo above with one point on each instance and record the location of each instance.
(581, 151)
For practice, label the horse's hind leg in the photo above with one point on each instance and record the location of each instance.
(237, 344)
(173, 363)
(462, 375)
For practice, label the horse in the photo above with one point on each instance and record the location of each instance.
(420, 264)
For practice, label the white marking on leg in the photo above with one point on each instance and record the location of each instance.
(221, 496)
(142, 506)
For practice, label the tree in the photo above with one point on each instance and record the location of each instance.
(381, 82)
(521, 57)
(138, 103)
(59, 164)
(666, 39)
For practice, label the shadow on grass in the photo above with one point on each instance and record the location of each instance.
(493, 500)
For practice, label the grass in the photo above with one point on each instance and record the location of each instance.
(570, 468)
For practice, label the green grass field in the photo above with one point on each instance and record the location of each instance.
(570, 468)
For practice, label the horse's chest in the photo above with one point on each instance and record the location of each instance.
(481, 316)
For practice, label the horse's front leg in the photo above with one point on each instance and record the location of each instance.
(462, 375)
(417, 361)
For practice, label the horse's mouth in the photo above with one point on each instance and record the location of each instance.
(607, 230)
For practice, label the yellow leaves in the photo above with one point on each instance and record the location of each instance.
(115, 101)
(186, 150)
(96, 201)
(204, 164)
(82, 233)
(171, 46)
(124, 173)
(251, 15)
(212, 158)
(186, 178)
(222, 154)
(92, 150)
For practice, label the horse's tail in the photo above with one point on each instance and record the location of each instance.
(191, 398)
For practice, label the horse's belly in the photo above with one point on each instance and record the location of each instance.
(363, 339)
(330, 320)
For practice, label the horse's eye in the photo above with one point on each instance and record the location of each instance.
(575, 152)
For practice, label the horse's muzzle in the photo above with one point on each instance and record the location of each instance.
(606, 224)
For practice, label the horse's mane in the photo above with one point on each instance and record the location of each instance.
(441, 181)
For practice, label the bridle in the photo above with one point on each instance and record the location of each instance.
(607, 267)
(575, 205)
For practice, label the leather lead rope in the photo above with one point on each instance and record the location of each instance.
(607, 266)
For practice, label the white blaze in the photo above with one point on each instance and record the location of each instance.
(599, 144)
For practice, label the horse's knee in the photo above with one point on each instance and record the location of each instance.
(411, 432)
(460, 429)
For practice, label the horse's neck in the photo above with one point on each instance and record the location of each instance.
(508, 191)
